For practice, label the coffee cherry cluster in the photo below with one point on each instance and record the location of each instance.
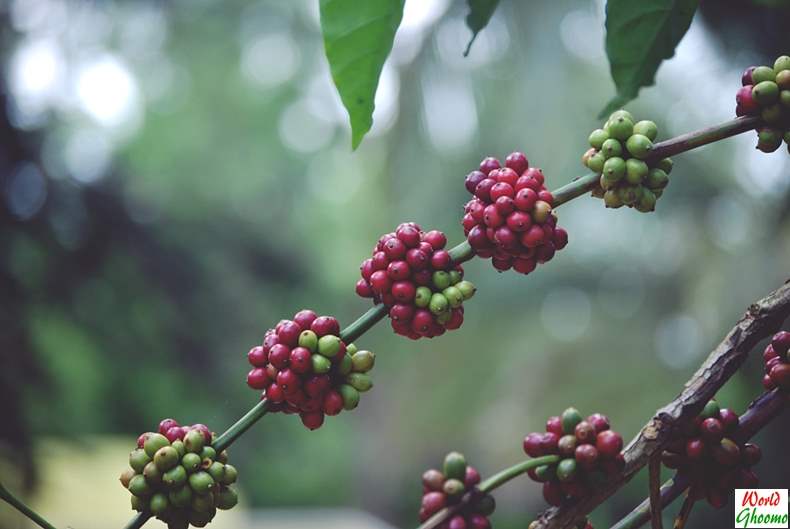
(446, 488)
(304, 367)
(777, 362)
(412, 274)
(766, 93)
(177, 476)
(707, 454)
(510, 218)
(589, 452)
(619, 153)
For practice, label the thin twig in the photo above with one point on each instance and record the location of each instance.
(685, 512)
(654, 472)
(19, 505)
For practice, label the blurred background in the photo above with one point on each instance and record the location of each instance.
(175, 177)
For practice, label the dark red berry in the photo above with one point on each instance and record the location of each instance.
(324, 325)
(257, 357)
(256, 379)
(585, 432)
(472, 179)
(398, 270)
(166, 424)
(333, 403)
(489, 164)
(440, 260)
(472, 477)
(609, 443)
(436, 239)
(781, 342)
(363, 289)
(586, 455)
(433, 502)
(312, 420)
(554, 425)
(517, 161)
(695, 449)
(274, 393)
(305, 318)
(279, 356)
(409, 236)
(174, 433)
(289, 333)
(746, 77)
(483, 189)
(501, 189)
(729, 420)
(300, 360)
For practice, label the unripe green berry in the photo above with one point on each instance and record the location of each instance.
(635, 170)
(346, 365)
(222, 457)
(139, 486)
(485, 505)
(595, 163)
(621, 114)
(455, 277)
(546, 472)
(202, 503)
(363, 361)
(190, 462)
(321, 364)
(438, 303)
(467, 289)
(154, 443)
(614, 169)
(656, 179)
(350, 396)
(587, 155)
(665, 164)
(138, 504)
(646, 128)
(566, 469)
(784, 97)
(138, 459)
(454, 466)
(597, 137)
(175, 477)
(166, 458)
(152, 474)
(612, 148)
(444, 317)
(570, 418)
(765, 93)
(180, 497)
(441, 280)
(217, 471)
(227, 499)
(620, 128)
(454, 296)
(605, 183)
(782, 63)
(208, 452)
(201, 482)
(639, 146)
(158, 504)
(200, 519)
(647, 202)
(178, 444)
(309, 340)
(787, 137)
(194, 441)
(360, 381)
(612, 199)
(329, 345)
(783, 80)
(454, 488)
(772, 114)
(711, 409)
(769, 140)
(628, 194)
(541, 211)
(231, 474)
(422, 296)
(763, 73)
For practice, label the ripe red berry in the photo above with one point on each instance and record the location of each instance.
(305, 318)
(398, 270)
(324, 325)
(394, 249)
(746, 77)
(256, 379)
(409, 236)
(279, 355)
(174, 433)
(403, 291)
(501, 189)
(440, 260)
(489, 164)
(554, 425)
(257, 357)
(585, 432)
(288, 333)
(166, 424)
(484, 188)
(312, 420)
(333, 403)
(781, 342)
(472, 477)
(363, 289)
(472, 179)
(695, 449)
(517, 161)
(729, 420)
(274, 393)
(519, 221)
(586, 455)
(609, 443)
(300, 360)
(505, 205)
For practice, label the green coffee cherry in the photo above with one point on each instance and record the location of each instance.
(605, 183)
(360, 381)
(227, 499)
(208, 452)
(309, 340)
(782, 63)
(566, 469)
(175, 477)
(597, 137)
(467, 289)
(711, 409)
(329, 345)
(350, 396)
(620, 128)
(222, 457)
(422, 296)
(628, 194)
(166, 458)
(769, 140)
(611, 148)
(454, 488)
(621, 114)
(639, 146)
(321, 364)
(455, 277)
(784, 97)
(180, 497)
(570, 418)
(194, 441)
(657, 179)
(138, 459)
(178, 444)
(765, 93)
(201, 482)
(612, 200)
(763, 73)
(647, 202)
(595, 163)
(783, 80)
(217, 471)
(200, 519)
(635, 170)
(202, 503)
(351, 349)
(646, 128)
(152, 474)
(772, 114)
(138, 504)
(444, 317)
(454, 466)
(485, 505)
(787, 137)
(545, 473)
(438, 303)
(454, 296)
(665, 164)
(139, 486)
(363, 361)
(231, 474)
(441, 280)
(154, 443)
(346, 365)
(190, 462)
(158, 504)
(614, 169)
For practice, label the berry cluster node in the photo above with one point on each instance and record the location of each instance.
(177, 476)
(777, 362)
(413, 275)
(447, 487)
(304, 367)
(766, 93)
(706, 453)
(510, 219)
(589, 451)
(620, 154)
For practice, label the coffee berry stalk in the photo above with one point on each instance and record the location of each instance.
(177, 476)
(766, 93)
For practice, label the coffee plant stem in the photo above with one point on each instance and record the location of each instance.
(138, 521)
(242, 425)
(698, 138)
(15, 502)
(492, 483)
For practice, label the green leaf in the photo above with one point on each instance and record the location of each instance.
(358, 37)
(480, 12)
(639, 35)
